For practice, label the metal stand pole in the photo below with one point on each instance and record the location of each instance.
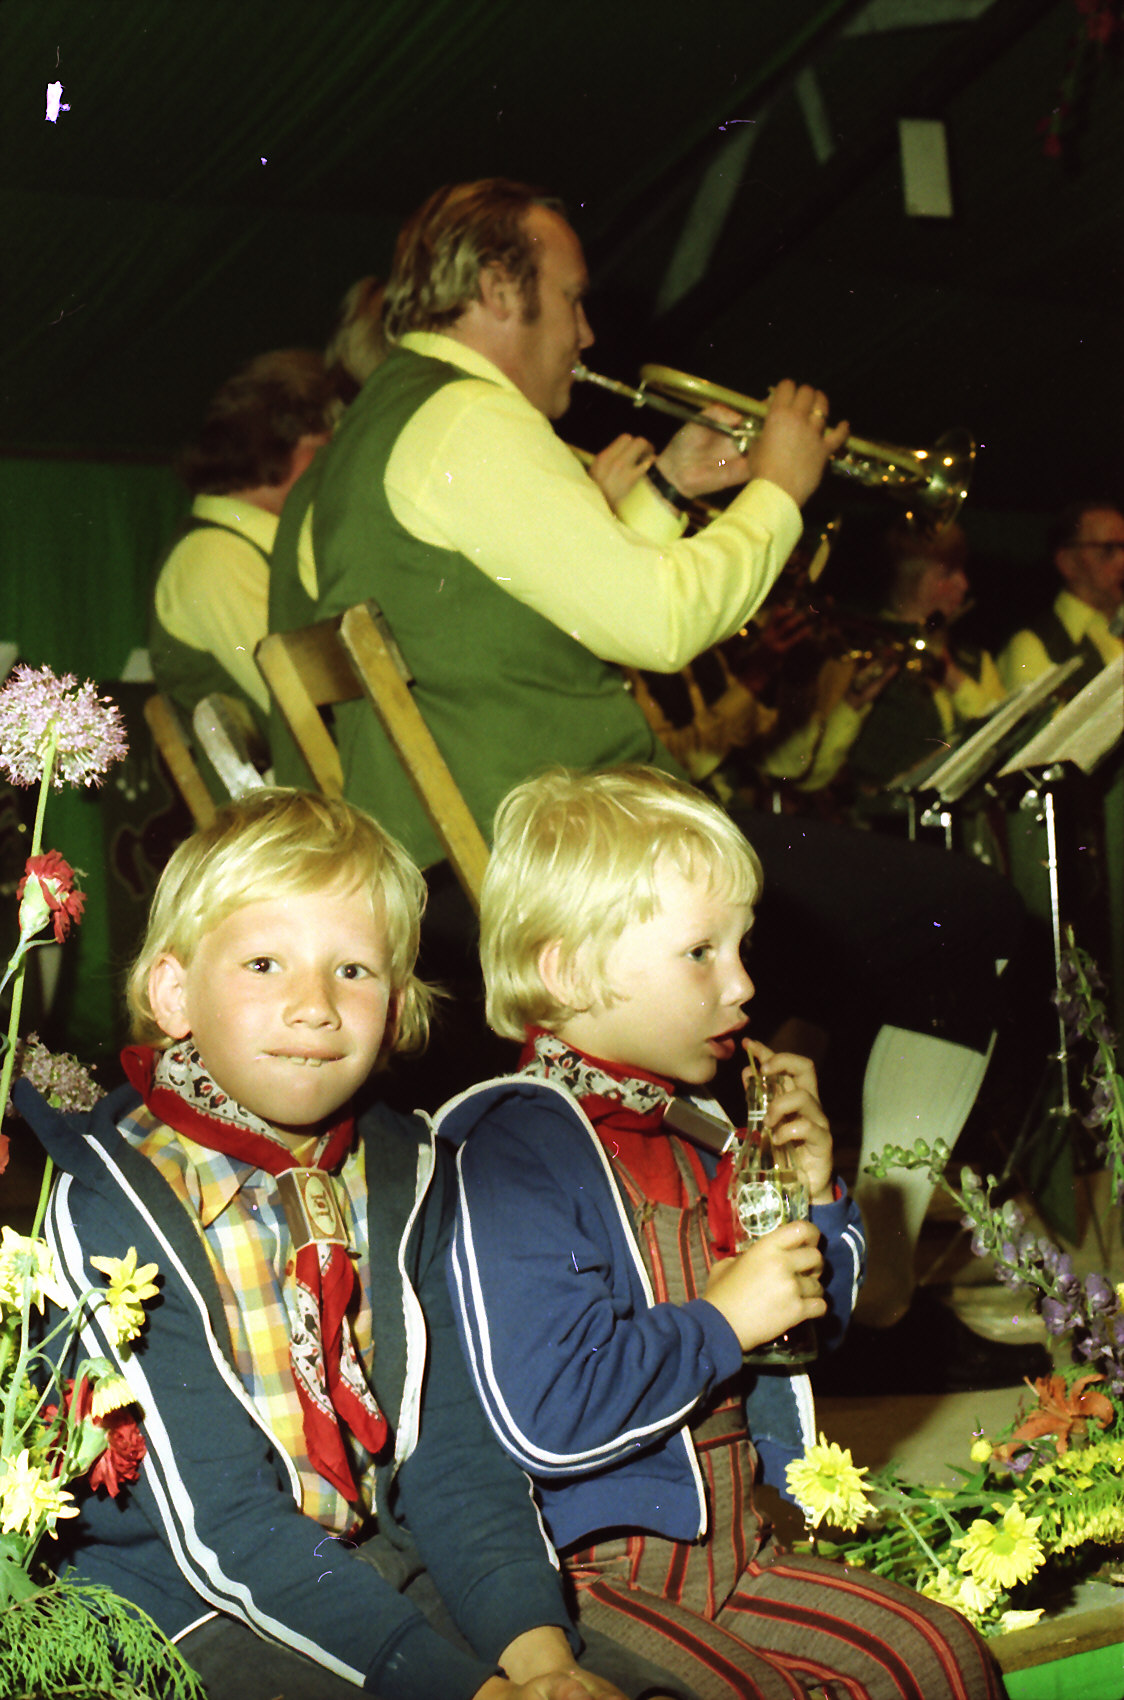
(1063, 1108)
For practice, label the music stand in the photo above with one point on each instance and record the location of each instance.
(956, 768)
(1083, 732)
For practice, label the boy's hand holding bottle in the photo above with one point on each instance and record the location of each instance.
(773, 1286)
(795, 1117)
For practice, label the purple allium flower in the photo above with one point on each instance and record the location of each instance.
(91, 734)
(59, 1077)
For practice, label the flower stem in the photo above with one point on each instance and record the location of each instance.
(17, 986)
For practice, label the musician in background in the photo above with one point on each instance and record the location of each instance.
(1087, 544)
(914, 690)
(211, 594)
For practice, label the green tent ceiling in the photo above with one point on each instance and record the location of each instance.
(220, 170)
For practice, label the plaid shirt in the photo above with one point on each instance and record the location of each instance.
(238, 1213)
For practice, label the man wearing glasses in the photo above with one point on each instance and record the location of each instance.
(1088, 549)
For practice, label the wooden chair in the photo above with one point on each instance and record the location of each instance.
(168, 735)
(348, 657)
(236, 755)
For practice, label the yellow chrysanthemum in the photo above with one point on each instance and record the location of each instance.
(113, 1393)
(1002, 1553)
(127, 1291)
(21, 1257)
(28, 1496)
(827, 1484)
(964, 1593)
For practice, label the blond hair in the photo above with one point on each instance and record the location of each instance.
(282, 843)
(574, 859)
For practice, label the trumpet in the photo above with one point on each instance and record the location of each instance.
(932, 483)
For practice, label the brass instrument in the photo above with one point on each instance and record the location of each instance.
(864, 639)
(931, 482)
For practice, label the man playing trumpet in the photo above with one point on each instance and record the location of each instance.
(511, 587)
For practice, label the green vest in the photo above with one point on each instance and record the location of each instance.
(1059, 646)
(904, 725)
(504, 692)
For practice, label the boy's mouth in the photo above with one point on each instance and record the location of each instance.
(723, 1045)
(303, 1060)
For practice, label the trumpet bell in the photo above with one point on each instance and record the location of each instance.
(932, 483)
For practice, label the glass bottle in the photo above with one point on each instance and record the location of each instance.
(766, 1194)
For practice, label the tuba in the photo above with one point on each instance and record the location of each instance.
(931, 483)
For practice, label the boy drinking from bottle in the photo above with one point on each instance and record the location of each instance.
(601, 1314)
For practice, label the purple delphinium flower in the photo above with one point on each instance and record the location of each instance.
(1100, 1295)
(90, 731)
(1057, 1317)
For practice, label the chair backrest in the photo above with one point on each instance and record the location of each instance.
(221, 732)
(351, 656)
(168, 734)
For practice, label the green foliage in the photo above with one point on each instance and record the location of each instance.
(78, 1640)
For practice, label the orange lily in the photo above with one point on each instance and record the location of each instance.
(1061, 1412)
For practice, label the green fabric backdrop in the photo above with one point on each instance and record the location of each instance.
(78, 541)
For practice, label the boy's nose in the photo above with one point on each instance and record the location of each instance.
(312, 1000)
(741, 986)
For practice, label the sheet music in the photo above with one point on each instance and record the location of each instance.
(1084, 730)
(969, 760)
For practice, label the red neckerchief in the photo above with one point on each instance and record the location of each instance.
(626, 1107)
(329, 1379)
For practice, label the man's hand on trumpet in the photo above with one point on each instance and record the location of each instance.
(698, 461)
(792, 449)
(795, 444)
(621, 465)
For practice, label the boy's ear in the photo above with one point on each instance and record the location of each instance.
(167, 996)
(562, 978)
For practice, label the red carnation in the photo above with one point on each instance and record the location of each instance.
(122, 1458)
(54, 877)
(125, 1448)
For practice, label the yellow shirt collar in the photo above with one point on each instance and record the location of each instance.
(258, 524)
(436, 346)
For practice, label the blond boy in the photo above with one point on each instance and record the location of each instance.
(300, 1387)
(603, 1326)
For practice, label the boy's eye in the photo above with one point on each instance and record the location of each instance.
(261, 964)
(699, 953)
(353, 971)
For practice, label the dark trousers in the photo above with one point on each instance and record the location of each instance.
(235, 1664)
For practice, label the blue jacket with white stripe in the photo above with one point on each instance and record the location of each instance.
(590, 1384)
(213, 1522)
